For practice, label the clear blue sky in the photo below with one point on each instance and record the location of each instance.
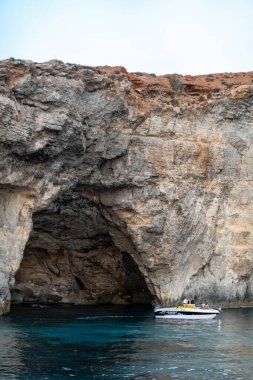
(156, 36)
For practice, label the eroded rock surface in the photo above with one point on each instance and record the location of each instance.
(165, 163)
(15, 225)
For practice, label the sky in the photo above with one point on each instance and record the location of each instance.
(154, 36)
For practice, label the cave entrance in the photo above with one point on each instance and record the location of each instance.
(70, 257)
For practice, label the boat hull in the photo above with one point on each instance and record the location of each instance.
(186, 316)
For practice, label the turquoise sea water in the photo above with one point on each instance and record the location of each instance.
(123, 343)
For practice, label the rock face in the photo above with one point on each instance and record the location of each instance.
(117, 187)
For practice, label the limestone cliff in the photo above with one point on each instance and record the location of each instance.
(116, 187)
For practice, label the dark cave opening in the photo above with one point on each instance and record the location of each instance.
(70, 257)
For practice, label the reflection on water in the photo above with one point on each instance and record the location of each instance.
(10, 349)
(123, 343)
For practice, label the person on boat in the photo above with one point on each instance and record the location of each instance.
(185, 301)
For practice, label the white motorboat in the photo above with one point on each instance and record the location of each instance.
(186, 312)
